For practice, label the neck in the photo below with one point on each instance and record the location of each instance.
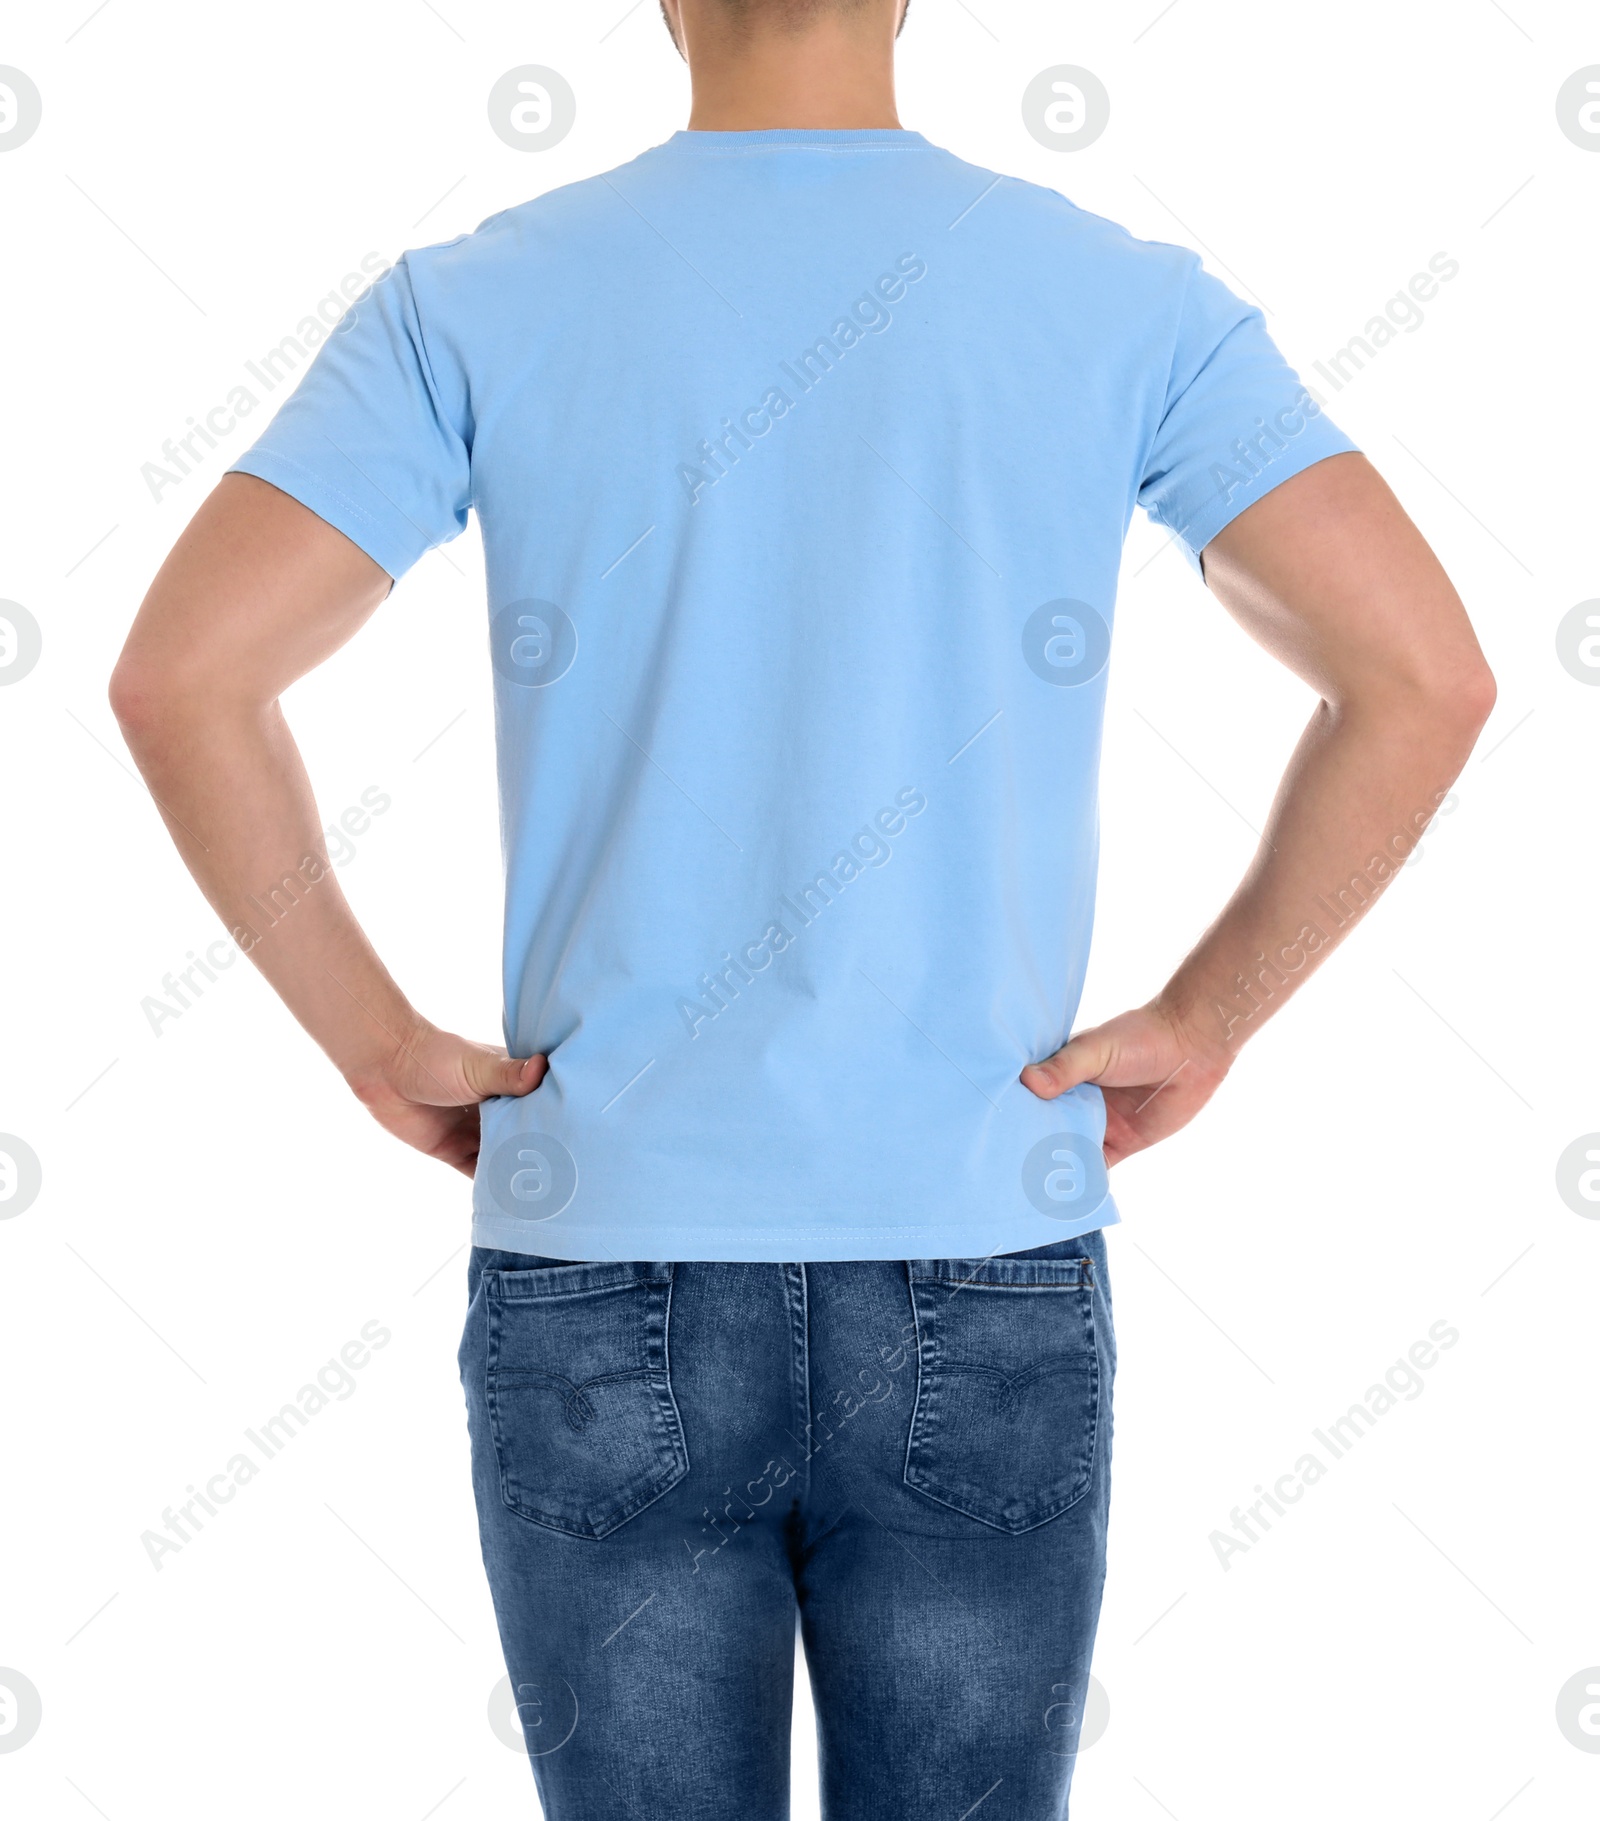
(838, 73)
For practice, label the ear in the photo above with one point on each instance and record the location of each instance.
(673, 18)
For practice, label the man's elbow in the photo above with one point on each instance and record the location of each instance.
(147, 702)
(1470, 698)
(1450, 712)
(1448, 692)
(133, 697)
(1441, 705)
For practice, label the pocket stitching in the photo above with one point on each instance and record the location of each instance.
(671, 1449)
(925, 1410)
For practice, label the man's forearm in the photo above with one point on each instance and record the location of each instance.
(1362, 786)
(1330, 576)
(257, 592)
(233, 790)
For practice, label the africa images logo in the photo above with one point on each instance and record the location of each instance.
(1066, 643)
(1253, 453)
(715, 458)
(21, 108)
(1065, 1176)
(531, 1176)
(532, 643)
(532, 108)
(795, 911)
(21, 1176)
(20, 642)
(20, 1710)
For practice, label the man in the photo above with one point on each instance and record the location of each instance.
(803, 454)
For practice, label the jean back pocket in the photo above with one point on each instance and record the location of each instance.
(585, 1428)
(1008, 1387)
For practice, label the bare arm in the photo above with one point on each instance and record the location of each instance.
(256, 592)
(1329, 575)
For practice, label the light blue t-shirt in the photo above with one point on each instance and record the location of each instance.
(803, 462)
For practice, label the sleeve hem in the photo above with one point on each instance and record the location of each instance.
(387, 537)
(1223, 510)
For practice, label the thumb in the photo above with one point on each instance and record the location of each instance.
(489, 1075)
(1081, 1059)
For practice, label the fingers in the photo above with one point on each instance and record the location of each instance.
(1122, 1137)
(529, 1073)
(488, 1074)
(1085, 1057)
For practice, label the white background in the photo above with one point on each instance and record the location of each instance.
(218, 1217)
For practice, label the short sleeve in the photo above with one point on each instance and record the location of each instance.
(368, 439)
(1237, 421)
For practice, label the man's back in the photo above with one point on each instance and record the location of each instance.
(803, 461)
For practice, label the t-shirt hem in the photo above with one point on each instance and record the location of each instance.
(685, 1242)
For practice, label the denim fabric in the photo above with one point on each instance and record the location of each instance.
(672, 1460)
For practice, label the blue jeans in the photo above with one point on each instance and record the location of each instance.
(671, 1461)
